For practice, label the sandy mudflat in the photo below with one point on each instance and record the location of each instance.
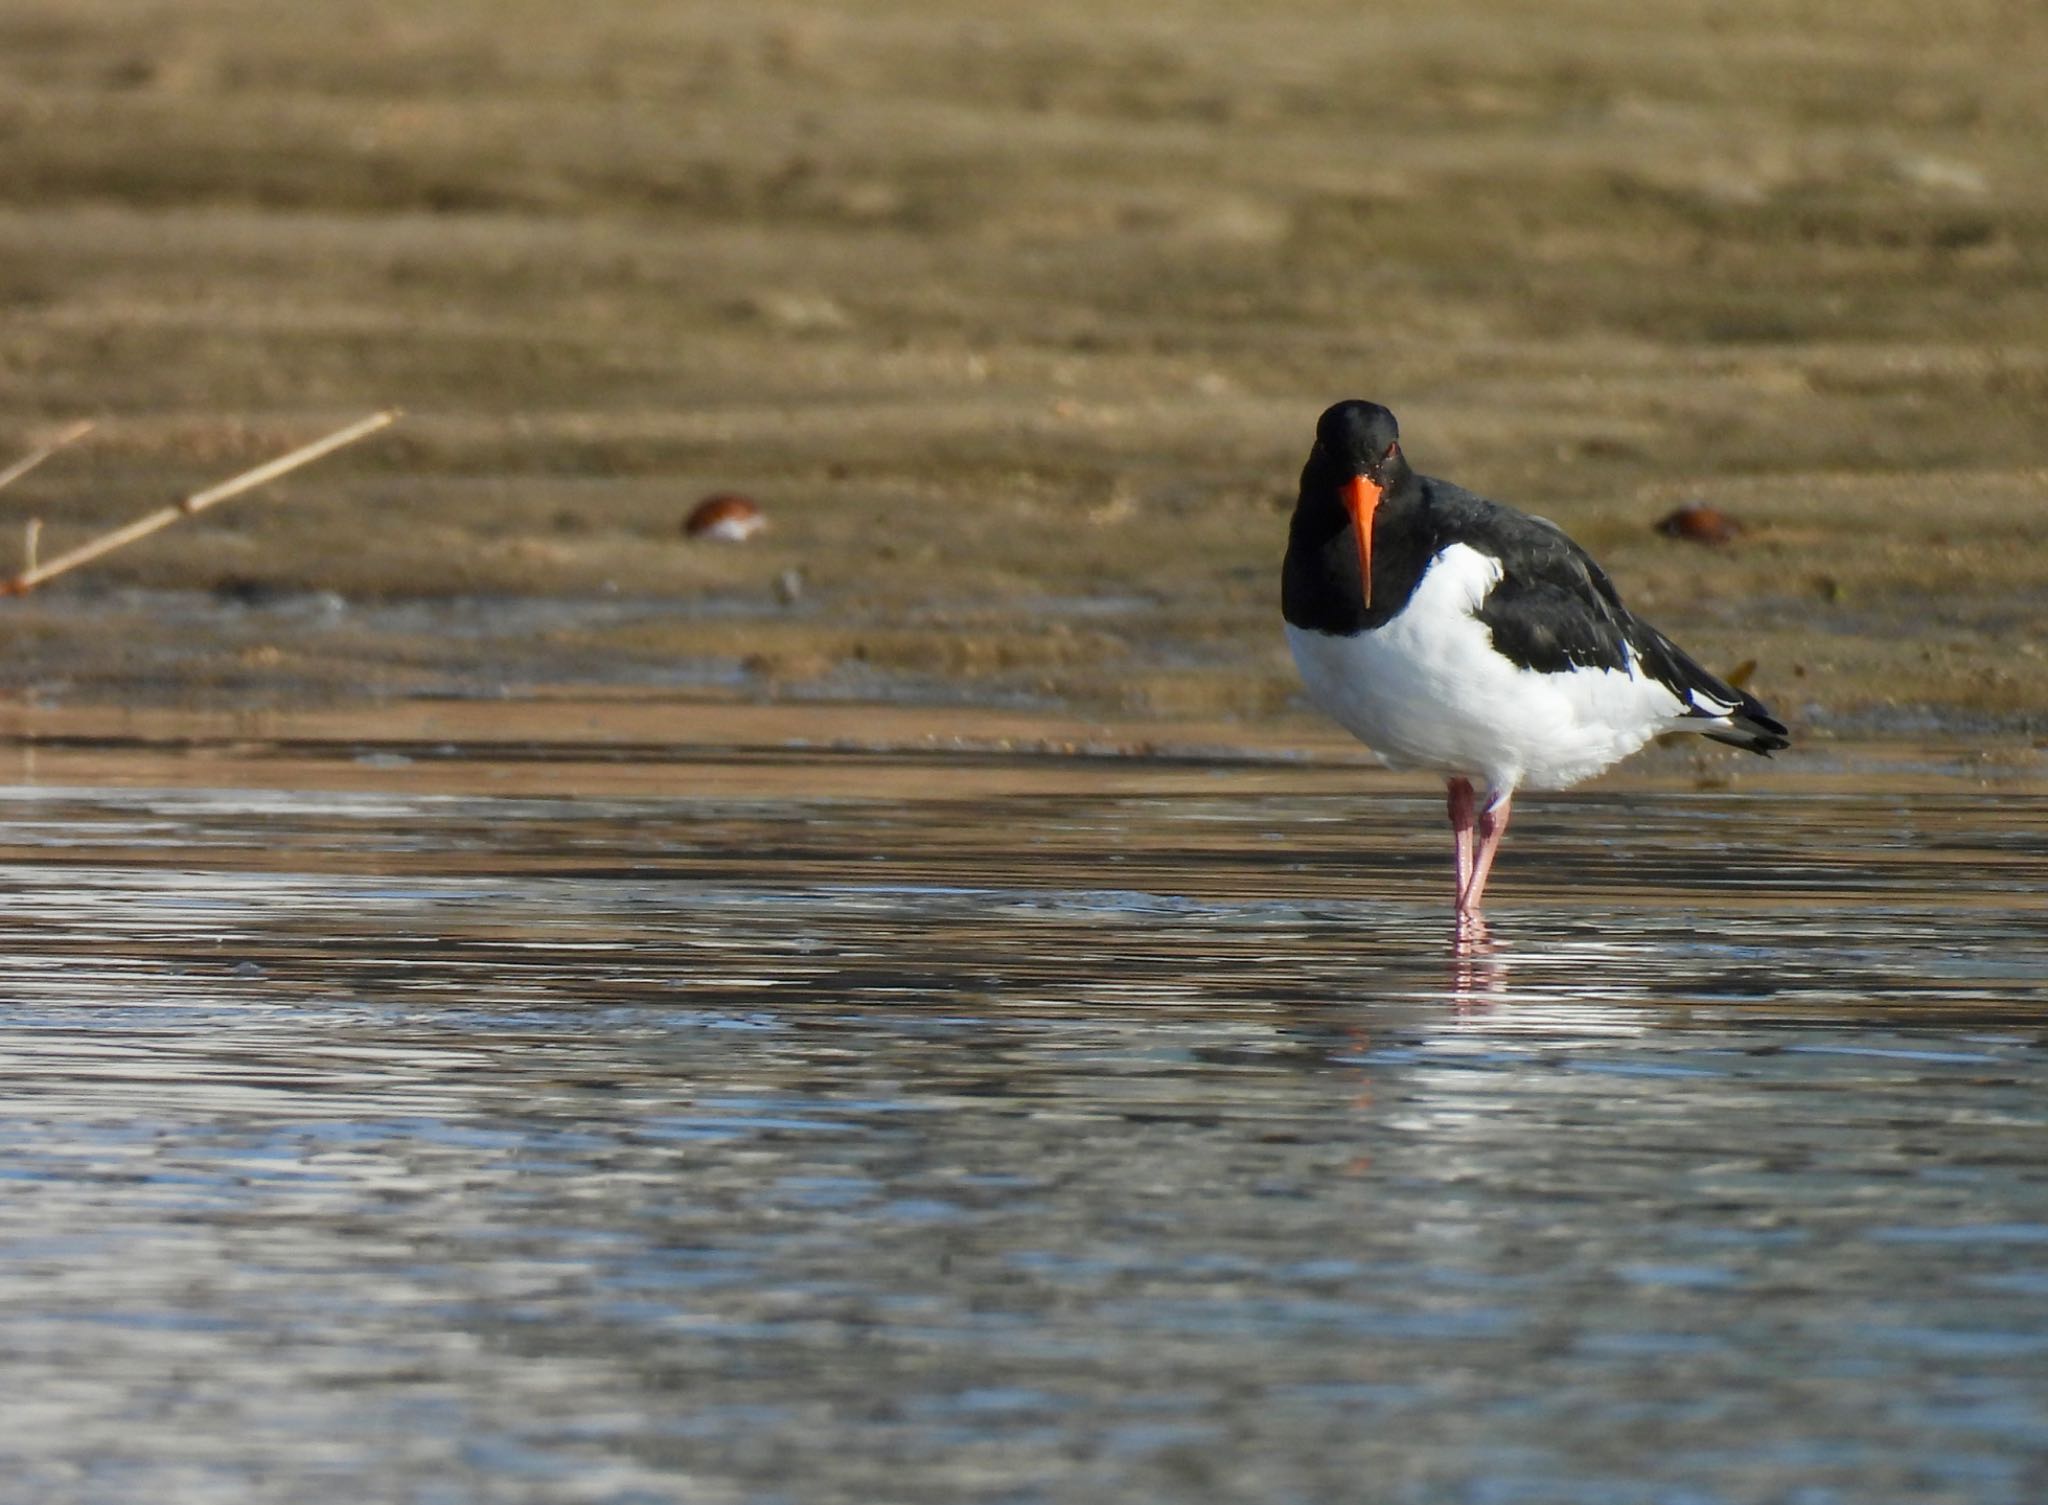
(1015, 319)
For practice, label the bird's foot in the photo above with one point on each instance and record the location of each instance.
(1469, 935)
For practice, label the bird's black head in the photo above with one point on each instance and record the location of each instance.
(1356, 438)
(1355, 466)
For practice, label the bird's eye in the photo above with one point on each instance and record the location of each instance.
(1392, 450)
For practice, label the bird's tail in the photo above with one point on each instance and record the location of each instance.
(1716, 709)
(1752, 728)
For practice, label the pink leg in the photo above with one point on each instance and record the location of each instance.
(1493, 824)
(1458, 797)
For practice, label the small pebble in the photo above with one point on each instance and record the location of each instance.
(726, 516)
(1699, 522)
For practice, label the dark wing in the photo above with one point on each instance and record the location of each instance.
(1555, 610)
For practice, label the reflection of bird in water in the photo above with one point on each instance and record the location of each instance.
(1454, 634)
(1479, 975)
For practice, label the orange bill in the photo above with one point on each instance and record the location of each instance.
(1361, 496)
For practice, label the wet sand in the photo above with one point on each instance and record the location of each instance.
(1016, 322)
(578, 745)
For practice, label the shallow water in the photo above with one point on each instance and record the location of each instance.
(978, 1134)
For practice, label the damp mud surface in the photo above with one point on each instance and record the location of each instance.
(1015, 320)
(444, 1109)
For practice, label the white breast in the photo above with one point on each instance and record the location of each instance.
(1428, 690)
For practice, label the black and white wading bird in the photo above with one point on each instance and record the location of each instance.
(1454, 634)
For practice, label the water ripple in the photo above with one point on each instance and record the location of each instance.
(1098, 1147)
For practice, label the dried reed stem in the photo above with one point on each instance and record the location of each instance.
(199, 501)
(36, 457)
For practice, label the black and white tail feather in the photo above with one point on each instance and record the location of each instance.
(1707, 697)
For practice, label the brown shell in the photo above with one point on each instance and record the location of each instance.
(1700, 522)
(725, 515)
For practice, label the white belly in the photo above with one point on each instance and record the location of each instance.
(1427, 690)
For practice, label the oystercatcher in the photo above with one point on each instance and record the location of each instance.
(1453, 634)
